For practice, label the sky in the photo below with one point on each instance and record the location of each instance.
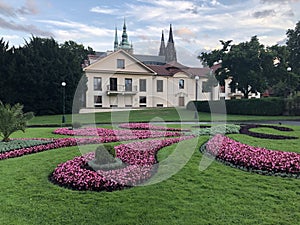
(198, 25)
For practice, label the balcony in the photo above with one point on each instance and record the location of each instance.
(121, 89)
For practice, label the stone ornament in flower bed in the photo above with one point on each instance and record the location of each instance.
(105, 161)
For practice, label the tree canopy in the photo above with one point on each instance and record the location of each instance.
(252, 67)
(33, 74)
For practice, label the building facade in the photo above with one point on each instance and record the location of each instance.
(122, 79)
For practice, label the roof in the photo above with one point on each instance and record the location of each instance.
(172, 69)
(151, 59)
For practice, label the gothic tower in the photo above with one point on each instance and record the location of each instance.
(170, 49)
(116, 43)
(162, 49)
(125, 43)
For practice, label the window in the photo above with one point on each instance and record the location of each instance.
(121, 63)
(143, 85)
(181, 84)
(206, 87)
(97, 84)
(159, 84)
(97, 101)
(128, 84)
(143, 101)
(113, 84)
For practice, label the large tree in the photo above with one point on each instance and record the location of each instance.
(293, 46)
(242, 63)
(33, 74)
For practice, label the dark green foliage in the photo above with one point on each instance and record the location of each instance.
(293, 105)
(32, 74)
(252, 68)
(259, 107)
(102, 156)
(293, 45)
(12, 119)
(104, 159)
(17, 144)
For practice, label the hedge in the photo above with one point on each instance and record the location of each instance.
(262, 107)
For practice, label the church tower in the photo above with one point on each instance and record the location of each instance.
(170, 49)
(125, 43)
(162, 49)
(116, 43)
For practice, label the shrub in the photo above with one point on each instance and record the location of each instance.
(76, 125)
(262, 106)
(219, 129)
(12, 119)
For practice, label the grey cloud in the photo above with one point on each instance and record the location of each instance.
(264, 13)
(28, 9)
(7, 10)
(26, 28)
(289, 13)
(278, 1)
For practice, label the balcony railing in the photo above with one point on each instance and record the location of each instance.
(121, 89)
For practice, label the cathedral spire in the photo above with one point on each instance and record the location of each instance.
(125, 45)
(170, 49)
(116, 43)
(162, 49)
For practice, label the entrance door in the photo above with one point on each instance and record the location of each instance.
(181, 101)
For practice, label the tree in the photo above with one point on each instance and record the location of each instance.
(32, 75)
(12, 119)
(293, 46)
(241, 63)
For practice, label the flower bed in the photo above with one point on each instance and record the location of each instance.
(148, 126)
(21, 143)
(140, 156)
(218, 129)
(103, 132)
(245, 129)
(251, 158)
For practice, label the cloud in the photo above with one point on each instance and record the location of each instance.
(26, 28)
(264, 13)
(70, 29)
(278, 1)
(28, 9)
(103, 10)
(7, 10)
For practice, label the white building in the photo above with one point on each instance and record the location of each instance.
(124, 80)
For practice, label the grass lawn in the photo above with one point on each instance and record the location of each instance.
(161, 114)
(217, 195)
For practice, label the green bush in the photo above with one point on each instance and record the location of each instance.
(17, 144)
(260, 107)
(12, 119)
(293, 106)
(105, 159)
(218, 129)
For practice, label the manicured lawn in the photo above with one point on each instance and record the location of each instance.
(163, 114)
(217, 195)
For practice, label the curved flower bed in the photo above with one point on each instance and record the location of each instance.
(103, 132)
(148, 126)
(245, 129)
(251, 158)
(140, 156)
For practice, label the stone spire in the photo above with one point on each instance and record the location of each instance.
(162, 49)
(116, 43)
(170, 49)
(125, 43)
